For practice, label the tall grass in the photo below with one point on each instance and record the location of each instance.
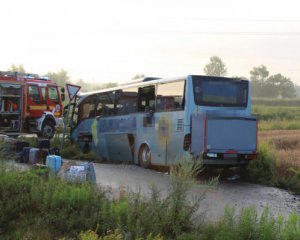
(277, 117)
(48, 208)
(32, 207)
(278, 162)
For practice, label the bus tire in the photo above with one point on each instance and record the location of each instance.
(144, 156)
(47, 129)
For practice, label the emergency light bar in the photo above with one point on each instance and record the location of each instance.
(24, 75)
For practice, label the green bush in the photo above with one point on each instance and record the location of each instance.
(262, 170)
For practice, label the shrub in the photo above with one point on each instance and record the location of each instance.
(262, 170)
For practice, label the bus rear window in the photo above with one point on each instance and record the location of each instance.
(220, 92)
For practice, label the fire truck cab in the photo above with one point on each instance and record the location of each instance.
(29, 104)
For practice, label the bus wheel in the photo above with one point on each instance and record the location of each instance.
(145, 156)
(47, 129)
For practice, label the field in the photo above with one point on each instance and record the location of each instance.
(286, 146)
(277, 117)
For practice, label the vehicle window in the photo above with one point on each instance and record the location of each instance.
(126, 101)
(106, 107)
(170, 96)
(87, 108)
(146, 98)
(53, 95)
(34, 93)
(43, 91)
(220, 92)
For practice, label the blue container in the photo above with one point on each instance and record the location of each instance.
(54, 163)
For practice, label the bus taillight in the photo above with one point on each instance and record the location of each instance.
(187, 142)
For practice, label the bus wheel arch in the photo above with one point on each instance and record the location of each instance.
(144, 155)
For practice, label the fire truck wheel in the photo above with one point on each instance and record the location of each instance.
(144, 156)
(47, 129)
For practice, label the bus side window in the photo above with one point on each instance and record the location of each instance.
(126, 101)
(146, 98)
(106, 106)
(170, 96)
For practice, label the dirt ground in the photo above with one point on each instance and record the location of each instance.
(238, 194)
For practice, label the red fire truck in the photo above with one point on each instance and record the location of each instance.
(29, 104)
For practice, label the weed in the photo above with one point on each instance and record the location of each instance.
(262, 169)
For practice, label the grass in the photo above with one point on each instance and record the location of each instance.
(33, 206)
(277, 117)
(278, 162)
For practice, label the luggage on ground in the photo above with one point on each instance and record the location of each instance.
(20, 145)
(25, 155)
(33, 155)
(54, 162)
(43, 143)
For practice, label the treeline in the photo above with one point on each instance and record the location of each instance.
(263, 85)
(62, 77)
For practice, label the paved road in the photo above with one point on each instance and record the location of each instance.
(236, 193)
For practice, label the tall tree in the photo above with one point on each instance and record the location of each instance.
(215, 68)
(258, 76)
(61, 77)
(20, 68)
(274, 86)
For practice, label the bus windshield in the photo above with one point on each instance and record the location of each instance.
(220, 92)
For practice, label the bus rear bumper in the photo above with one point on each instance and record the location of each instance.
(228, 159)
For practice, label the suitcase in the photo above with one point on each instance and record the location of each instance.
(33, 155)
(19, 157)
(42, 155)
(26, 151)
(54, 163)
(20, 145)
(43, 143)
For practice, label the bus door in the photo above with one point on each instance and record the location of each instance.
(149, 150)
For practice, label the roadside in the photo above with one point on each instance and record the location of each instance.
(236, 194)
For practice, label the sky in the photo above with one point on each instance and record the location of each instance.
(112, 41)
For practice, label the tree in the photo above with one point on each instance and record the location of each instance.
(258, 76)
(274, 86)
(61, 77)
(19, 69)
(215, 68)
(259, 73)
(285, 88)
(137, 76)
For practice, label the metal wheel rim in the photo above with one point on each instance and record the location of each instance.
(145, 154)
(48, 131)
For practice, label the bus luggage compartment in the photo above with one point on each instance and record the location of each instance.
(224, 140)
